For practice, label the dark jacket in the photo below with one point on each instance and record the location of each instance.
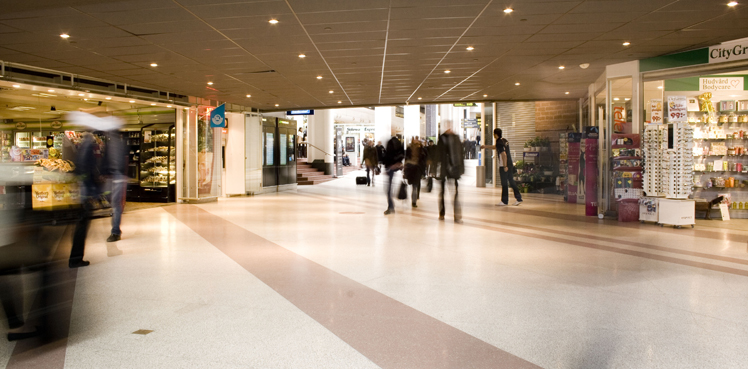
(451, 159)
(380, 153)
(415, 162)
(394, 153)
(370, 157)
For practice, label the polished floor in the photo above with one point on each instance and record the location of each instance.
(320, 278)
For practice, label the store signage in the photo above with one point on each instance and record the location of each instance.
(218, 117)
(676, 109)
(462, 105)
(470, 123)
(20, 125)
(56, 125)
(721, 84)
(655, 110)
(728, 51)
(300, 112)
(724, 211)
(619, 118)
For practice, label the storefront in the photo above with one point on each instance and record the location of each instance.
(674, 130)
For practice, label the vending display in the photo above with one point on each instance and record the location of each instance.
(157, 163)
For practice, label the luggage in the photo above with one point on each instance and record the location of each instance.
(403, 194)
(361, 180)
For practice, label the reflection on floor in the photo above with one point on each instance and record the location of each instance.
(320, 278)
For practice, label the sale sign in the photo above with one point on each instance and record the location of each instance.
(677, 111)
(655, 111)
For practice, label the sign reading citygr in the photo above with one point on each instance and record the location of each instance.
(728, 51)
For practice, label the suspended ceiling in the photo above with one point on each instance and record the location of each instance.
(367, 51)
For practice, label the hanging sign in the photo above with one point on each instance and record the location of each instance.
(677, 109)
(218, 117)
(20, 125)
(462, 105)
(300, 112)
(655, 109)
(721, 84)
(56, 125)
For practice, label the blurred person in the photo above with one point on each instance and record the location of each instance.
(116, 160)
(393, 161)
(380, 152)
(415, 161)
(451, 168)
(371, 161)
(431, 164)
(346, 159)
(506, 170)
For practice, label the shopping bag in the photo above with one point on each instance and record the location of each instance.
(403, 194)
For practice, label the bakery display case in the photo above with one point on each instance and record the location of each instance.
(157, 163)
(6, 142)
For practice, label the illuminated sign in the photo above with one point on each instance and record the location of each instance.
(300, 112)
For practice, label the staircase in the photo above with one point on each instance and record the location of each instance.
(306, 175)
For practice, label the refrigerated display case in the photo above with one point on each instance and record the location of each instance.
(157, 171)
(132, 139)
(6, 142)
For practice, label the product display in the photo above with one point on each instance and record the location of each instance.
(156, 162)
(627, 175)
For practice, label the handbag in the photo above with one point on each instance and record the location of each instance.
(403, 194)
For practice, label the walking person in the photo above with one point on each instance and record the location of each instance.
(415, 161)
(380, 152)
(451, 168)
(371, 161)
(116, 156)
(393, 161)
(506, 169)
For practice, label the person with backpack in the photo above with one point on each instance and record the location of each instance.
(393, 161)
(506, 169)
(451, 167)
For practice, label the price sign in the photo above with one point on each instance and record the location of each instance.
(677, 109)
(655, 109)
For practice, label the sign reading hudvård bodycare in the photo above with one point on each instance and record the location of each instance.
(721, 84)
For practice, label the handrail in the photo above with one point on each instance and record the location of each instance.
(323, 151)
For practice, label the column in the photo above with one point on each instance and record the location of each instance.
(383, 123)
(412, 124)
(446, 115)
(320, 137)
(431, 126)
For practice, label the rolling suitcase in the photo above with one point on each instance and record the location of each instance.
(360, 180)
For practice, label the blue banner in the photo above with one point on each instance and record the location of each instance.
(218, 117)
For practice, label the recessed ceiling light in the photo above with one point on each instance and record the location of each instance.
(659, 87)
(508, 10)
(627, 99)
(561, 67)
(210, 83)
(154, 65)
(331, 91)
(65, 35)
(132, 101)
(319, 77)
(273, 21)
(16, 86)
(168, 106)
(566, 93)
(85, 99)
(340, 102)
(302, 56)
(470, 48)
(249, 95)
(152, 104)
(81, 94)
(732, 3)
(516, 83)
(448, 71)
(484, 95)
(615, 99)
(626, 43)
(277, 104)
(420, 98)
(584, 65)
(50, 90)
(108, 98)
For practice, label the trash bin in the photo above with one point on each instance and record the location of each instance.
(628, 210)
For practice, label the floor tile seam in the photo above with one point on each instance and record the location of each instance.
(321, 319)
(599, 247)
(654, 248)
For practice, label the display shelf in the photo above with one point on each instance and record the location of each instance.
(627, 158)
(628, 169)
(624, 146)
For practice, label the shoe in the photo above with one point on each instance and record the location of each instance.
(458, 221)
(441, 217)
(501, 204)
(415, 206)
(517, 203)
(24, 335)
(78, 264)
(114, 238)
(367, 185)
(389, 211)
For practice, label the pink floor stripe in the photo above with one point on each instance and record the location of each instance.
(388, 332)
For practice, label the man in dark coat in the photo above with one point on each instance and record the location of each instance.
(451, 168)
(393, 161)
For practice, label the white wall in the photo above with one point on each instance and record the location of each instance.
(235, 155)
(253, 153)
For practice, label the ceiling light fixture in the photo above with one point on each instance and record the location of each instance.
(584, 65)
(302, 56)
(508, 10)
(420, 98)
(81, 94)
(484, 95)
(277, 105)
(108, 98)
(340, 102)
(132, 101)
(627, 99)
(615, 99)
(626, 43)
(331, 91)
(319, 77)
(561, 67)
(732, 3)
(65, 36)
(659, 87)
(152, 104)
(273, 21)
(210, 83)
(154, 65)
(447, 71)
(16, 86)
(470, 48)
(249, 95)
(50, 90)
(516, 83)
(566, 93)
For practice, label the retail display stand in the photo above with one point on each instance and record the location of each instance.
(563, 158)
(627, 175)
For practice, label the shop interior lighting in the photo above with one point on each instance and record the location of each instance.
(249, 95)
(584, 65)
(627, 99)
(302, 56)
(561, 67)
(168, 106)
(516, 83)
(154, 64)
(273, 21)
(319, 77)
(65, 36)
(508, 10)
(659, 87)
(108, 98)
(16, 86)
(132, 101)
(50, 90)
(470, 48)
(447, 71)
(615, 99)
(152, 104)
(626, 43)
(81, 94)
(732, 3)
(210, 83)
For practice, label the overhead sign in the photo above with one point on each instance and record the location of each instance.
(676, 109)
(300, 112)
(470, 123)
(20, 125)
(461, 105)
(728, 51)
(218, 117)
(721, 84)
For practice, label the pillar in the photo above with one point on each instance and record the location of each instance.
(320, 138)
(383, 123)
(412, 122)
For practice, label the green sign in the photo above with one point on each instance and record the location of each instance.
(462, 105)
